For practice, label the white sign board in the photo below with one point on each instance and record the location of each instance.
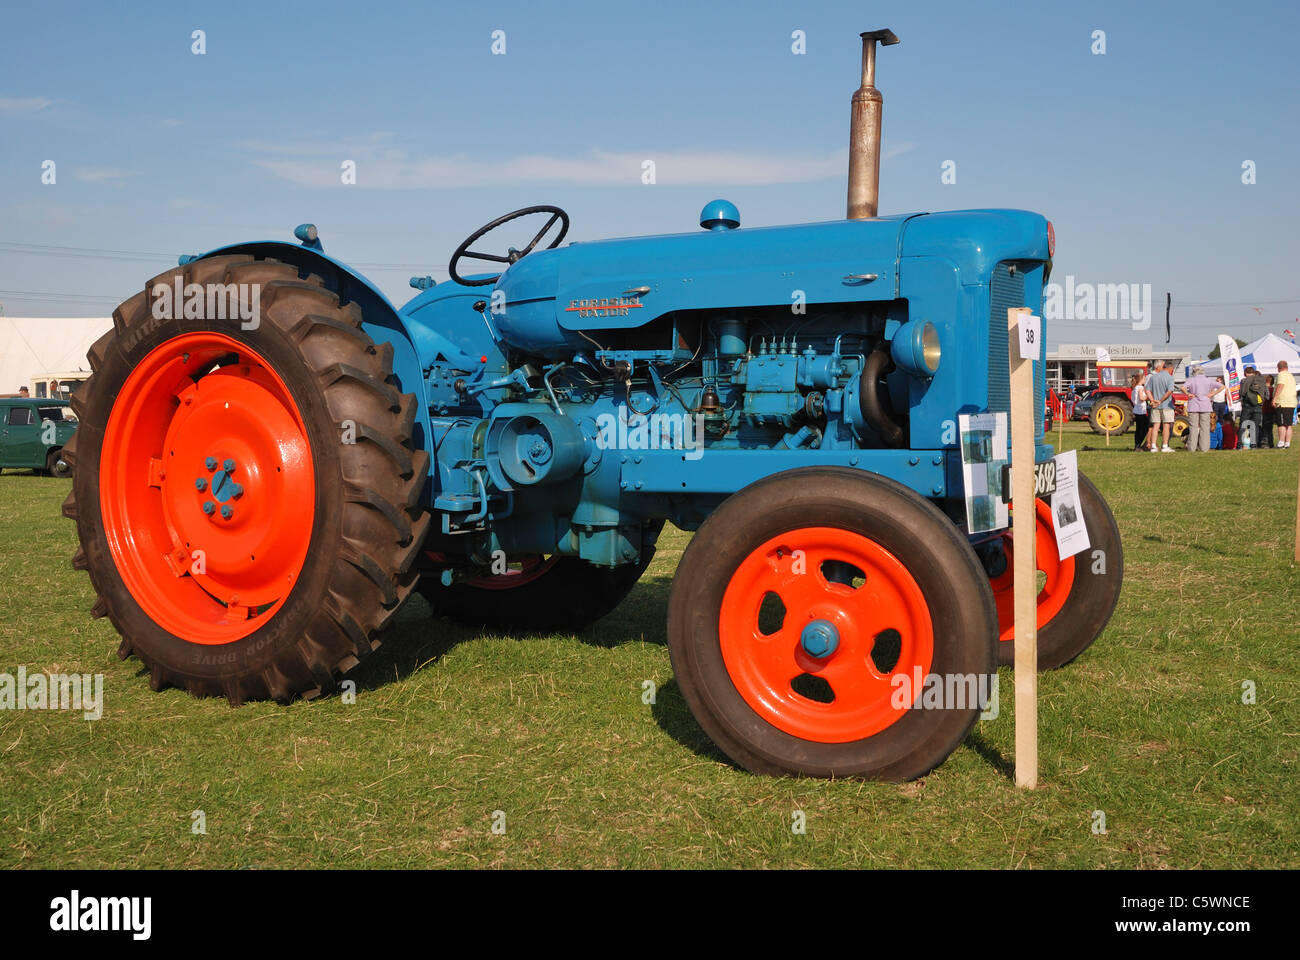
(1067, 510)
(1030, 329)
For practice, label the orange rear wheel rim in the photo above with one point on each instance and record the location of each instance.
(1059, 573)
(185, 436)
(887, 608)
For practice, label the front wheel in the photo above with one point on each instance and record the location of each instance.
(1078, 593)
(812, 616)
(56, 465)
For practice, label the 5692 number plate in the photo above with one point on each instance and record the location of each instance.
(1044, 480)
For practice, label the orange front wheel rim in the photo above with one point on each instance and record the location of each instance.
(207, 488)
(1059, 575)
(854, 620)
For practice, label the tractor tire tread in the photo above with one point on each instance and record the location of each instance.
(382, 524)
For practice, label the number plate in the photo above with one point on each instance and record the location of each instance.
(1044, 480)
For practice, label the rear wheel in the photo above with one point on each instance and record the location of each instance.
(1181, 427)
(536, 594)
(809, 611)
(246, 499)
(1111, 415)
(1078, 594)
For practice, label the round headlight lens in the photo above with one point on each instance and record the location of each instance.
(930, 351)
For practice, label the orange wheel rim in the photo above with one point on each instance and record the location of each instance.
(207, 488)
(1060, 577)
(849, 587)
(529, 568)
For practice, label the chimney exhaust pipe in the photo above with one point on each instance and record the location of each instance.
(864, 132)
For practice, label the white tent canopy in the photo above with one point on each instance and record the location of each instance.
(35, 346)
(1264, 353)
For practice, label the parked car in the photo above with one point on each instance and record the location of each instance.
(33, 432)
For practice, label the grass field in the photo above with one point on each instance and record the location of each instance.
(449, 726)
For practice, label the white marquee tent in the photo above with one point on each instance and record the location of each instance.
(1264, 353)
(34, 346)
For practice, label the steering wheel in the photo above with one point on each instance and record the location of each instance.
(463, 251)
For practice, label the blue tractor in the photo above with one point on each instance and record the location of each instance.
(272, 456)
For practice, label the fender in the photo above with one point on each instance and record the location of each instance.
(379, 318)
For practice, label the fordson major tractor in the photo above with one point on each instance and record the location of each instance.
(272, 455)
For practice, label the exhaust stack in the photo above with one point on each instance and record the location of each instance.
(864, 132)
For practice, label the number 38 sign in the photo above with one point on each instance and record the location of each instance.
(1031, 329)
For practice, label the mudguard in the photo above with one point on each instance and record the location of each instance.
(380, 319)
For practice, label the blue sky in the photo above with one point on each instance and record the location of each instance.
(1135, 154)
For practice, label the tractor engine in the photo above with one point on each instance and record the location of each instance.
(606, 372)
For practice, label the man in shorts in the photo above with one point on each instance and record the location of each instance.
(1284, 404)
(1160, 389)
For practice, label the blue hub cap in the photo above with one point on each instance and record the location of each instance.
(224, 487)
(819, 639)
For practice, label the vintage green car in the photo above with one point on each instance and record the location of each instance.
(32, 434)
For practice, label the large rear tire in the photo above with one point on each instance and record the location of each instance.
(1080, 592)
(247, 500)
(537, 594)
(876, 590)
(1111, 414)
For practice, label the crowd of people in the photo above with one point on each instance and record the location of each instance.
(1267, 402)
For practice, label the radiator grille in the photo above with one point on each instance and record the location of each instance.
(1007, 290)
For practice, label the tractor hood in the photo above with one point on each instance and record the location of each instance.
(618, 284)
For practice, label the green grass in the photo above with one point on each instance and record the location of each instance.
(449, 726)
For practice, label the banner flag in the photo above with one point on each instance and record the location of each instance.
(1231, 355)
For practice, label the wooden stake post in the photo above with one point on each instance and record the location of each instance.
(1297, 524)
(1024, 533)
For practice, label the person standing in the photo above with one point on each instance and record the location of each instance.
(1254, 388)
(1284, 400)
(1141, 418)
(1201, 391)
(1160, 397)
(1266, 438)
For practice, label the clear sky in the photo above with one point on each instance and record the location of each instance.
(1135, 154)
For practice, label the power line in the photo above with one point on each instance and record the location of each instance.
(96, 253)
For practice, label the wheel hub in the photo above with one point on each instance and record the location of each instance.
(820, 639)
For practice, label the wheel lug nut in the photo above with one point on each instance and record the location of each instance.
(210, 463)
(227, 511)
(200, 484)
(228, 465)
(209, 507)
(236, 490)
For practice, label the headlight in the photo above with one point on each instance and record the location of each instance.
(915, 348)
